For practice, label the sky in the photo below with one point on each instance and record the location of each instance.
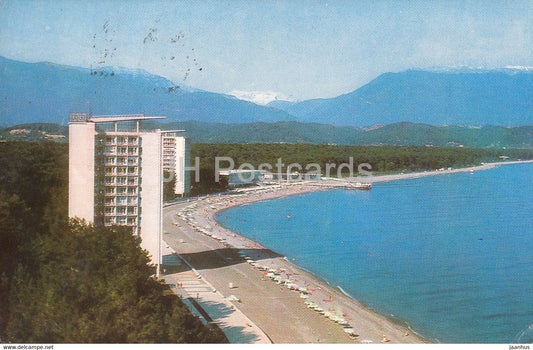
(264, 50)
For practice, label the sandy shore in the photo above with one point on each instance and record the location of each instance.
(287, 303)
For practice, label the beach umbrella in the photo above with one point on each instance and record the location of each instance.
(341, 320)
(233, 298)
(350, 331)
(319, 310)
(292, 286)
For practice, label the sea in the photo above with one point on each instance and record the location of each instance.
(450, 256)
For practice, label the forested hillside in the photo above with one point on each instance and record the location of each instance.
(68, 282)
(398, 134)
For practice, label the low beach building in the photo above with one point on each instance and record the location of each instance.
(244, 177)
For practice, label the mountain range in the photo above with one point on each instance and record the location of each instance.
(47, 92)
(464, 97)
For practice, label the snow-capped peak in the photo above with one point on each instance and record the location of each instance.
(259, 97)
(524, 68)
(464, 69)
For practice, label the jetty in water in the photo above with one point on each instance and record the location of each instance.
(344, 183)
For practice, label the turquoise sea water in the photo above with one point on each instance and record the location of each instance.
(451, 255)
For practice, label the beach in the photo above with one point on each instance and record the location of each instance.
(279, 299)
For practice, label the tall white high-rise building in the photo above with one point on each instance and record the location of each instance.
(116, 175)
(176, 160)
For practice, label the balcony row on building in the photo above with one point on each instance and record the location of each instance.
(121, 221)
(121, 201)
(121, 211)
(121, 171)
(120, 140)
(121, 161)
(118, 151)
(121, 191)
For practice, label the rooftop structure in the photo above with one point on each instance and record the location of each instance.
(83, 118)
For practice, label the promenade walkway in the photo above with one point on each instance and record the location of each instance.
(209, 304)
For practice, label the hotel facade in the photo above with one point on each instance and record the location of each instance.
(116, 174)
(176, 161)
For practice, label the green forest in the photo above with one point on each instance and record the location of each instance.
(64, 281)
(382, 159)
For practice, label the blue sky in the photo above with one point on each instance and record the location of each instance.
(289, 48)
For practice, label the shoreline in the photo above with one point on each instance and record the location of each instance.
(419, 174)
(327, 301)
(337, 291)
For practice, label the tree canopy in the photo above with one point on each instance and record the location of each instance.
(67, 281)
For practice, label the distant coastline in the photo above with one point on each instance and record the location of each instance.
(414, 175)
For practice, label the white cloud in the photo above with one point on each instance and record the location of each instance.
(259, 97)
